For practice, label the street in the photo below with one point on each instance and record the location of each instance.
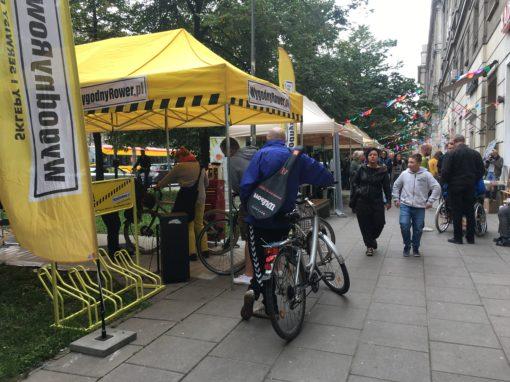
(444, 317)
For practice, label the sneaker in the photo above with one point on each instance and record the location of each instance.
(454, 241)
(370, 252)
(247, 309)
(242, 280)
(416, 252)
(406, 252)
(428, 229)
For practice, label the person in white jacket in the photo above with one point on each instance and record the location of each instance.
(414, 191)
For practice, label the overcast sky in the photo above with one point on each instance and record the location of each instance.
(406, 21)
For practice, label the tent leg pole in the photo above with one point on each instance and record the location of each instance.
(55, 293)
(338, 175)
(253, 135)
(229, 190)
(301, 133)
(135, 223)
(167, 133)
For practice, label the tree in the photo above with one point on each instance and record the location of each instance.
(100, 19)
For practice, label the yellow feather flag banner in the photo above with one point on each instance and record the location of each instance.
(288, 82)
(44, 177)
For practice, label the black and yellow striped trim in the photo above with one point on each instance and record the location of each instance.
(194, 101)
(244, 103)
(107, 196)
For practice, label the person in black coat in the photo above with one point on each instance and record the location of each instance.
(462, 169)
(368, 185)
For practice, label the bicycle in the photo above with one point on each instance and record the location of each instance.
(443, 217)
(292, 266)
(148, 222)
(220, 242)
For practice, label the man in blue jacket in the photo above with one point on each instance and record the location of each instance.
(265, 163)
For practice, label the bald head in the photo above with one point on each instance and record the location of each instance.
(276, 133)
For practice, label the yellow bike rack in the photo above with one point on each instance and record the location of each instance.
(125, 284)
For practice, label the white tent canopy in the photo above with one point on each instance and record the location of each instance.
(315, 121)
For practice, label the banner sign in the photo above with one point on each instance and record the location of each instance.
(113, 195)
(268, 96)
(291, 135)
(114, 93)
(287, 80)
(49, 107)
(44, 174)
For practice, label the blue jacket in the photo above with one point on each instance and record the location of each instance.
(270, 159)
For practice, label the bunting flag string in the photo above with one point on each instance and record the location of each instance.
(392, 103)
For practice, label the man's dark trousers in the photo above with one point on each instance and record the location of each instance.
(462, 203)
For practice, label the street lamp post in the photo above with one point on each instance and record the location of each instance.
(253, 128)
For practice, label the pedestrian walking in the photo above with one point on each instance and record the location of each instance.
(494, 168)
(462, 170)
(425, 150)
(448, 149)
(358, 158)
(385, 159)
(414, 191)
(399, 165)
(368, 186)
(433, 162)
(239, 160)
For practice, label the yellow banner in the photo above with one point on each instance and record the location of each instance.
(44, 175)
(288, 82)
(113, 195)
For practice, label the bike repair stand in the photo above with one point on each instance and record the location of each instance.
(99, 343)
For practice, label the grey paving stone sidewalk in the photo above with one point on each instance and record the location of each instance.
(443, 317)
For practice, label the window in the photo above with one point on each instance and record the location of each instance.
(476, 25)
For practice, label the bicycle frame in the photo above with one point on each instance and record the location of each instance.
(316, 234)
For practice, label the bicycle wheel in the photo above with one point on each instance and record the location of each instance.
(147, 239)
(306, 224)
(480, 220)
(219, 245)
(332, 268)
(442, 218)
(286, 301)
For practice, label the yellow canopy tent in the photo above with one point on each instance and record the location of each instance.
(169, 80)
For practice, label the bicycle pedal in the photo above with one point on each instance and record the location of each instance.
(328, 276)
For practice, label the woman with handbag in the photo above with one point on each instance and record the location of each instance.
(191, 196)
(370, 194)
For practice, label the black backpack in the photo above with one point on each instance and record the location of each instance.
(269, 196)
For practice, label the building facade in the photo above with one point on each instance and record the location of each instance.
(466, 35)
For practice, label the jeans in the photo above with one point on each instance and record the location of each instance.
(415, 217)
